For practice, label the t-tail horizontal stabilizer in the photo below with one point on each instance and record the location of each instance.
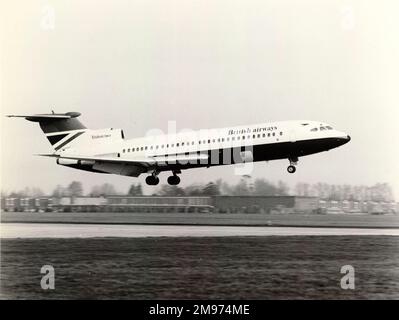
(47, 116)
(60, 128)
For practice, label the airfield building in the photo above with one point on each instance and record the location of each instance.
(217, 204)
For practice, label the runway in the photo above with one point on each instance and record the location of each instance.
(206, 219)
(48, 230)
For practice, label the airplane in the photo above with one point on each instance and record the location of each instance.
(107, 150)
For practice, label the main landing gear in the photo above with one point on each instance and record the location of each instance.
(293, 162)
(153, 179)
(174, 180)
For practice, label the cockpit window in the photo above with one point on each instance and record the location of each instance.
(305, 124)
(321, 128)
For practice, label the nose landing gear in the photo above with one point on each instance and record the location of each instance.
(293, 162)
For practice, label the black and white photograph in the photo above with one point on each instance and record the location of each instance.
(216, 151)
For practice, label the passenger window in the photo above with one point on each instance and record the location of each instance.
(243, 137)
(157, 147)
(182, 143)
(314, 129)
(177, 144)
(281, 133)
(145, 148)
(141, 148)
(329, 128)
(258, 135)
(199, 142)
(238, 138)
(222, 139)
(123, 150)
(268, 134)
(232, 138)
(274, 134)
(209, 141)
(322, 128)
(264, 135)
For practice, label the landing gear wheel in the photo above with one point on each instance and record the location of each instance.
(173, 180)
(152, 180)
(291, 169)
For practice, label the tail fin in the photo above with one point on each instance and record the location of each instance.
(59, 128)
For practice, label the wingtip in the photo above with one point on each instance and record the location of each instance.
(15, 116)
(46, 155)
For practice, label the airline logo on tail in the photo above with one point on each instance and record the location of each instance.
(60, 128)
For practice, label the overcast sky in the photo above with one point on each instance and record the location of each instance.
(204, 63)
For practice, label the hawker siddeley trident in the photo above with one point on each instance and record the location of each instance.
(107, 150)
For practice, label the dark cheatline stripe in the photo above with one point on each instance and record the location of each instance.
(69, 140)
(56, 138)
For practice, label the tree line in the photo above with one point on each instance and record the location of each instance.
(377, 192)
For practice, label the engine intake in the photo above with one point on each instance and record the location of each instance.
(69, 162)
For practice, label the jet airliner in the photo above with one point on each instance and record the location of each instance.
(107, 150)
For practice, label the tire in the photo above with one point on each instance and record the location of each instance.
(152, 180)
(173, 180)
(291, 169)
(148, 180)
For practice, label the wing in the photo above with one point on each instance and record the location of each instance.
(147, 163)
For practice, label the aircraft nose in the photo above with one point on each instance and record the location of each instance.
(343, 138)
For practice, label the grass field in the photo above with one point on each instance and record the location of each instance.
(199, 268)
(335, 220)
